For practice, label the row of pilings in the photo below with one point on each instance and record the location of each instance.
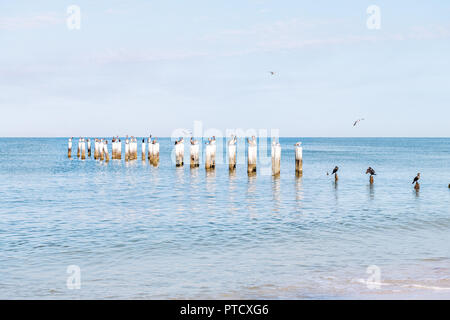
(131, 149)
(150, 150)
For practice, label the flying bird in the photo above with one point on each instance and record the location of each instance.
(371, 171)
(335, 170)
(357, 121)
(416, 178)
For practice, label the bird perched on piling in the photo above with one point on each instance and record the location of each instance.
(252, 141)
(232, 140)
(416, 178)
(335, 170)
(371, 171)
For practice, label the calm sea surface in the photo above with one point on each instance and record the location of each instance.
(143, 232)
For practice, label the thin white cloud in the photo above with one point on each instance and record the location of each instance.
(30, 22)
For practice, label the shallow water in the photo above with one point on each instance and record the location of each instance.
(144, 232)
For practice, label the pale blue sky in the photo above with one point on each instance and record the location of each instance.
(137, 67)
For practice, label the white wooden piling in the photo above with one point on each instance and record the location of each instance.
(89, 147)
(69, 150)
(179, 154)
(194, 153)
(119, 149)
(101, 146)
(83, 150)
(276, 158)
(232, 154)
(135, 149)
(298, 159)
(79, 148)
(127, 149)
(252, 153)
(113, 148)
(210, 155)
(155, 153)
(96, 147)
(105, 150)
(143, 149)
(150, 151)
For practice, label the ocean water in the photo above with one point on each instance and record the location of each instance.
(141, 232)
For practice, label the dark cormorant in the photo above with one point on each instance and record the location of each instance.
(335, 170)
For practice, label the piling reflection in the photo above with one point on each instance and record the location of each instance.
(371, 191)
(276, 193)
(251, 196)
(299, 189)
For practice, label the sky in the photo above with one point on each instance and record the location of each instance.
(140, 67)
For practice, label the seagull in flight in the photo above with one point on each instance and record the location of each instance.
(357, 121)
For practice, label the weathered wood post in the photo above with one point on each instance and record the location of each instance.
(69, 151)
(102, 153)
(210, 157)
(371, 179)
(232, 153)
(96, 149)
(417, 186)
(83, 149)
(179, 153)
(114, 149)
(194, 153)
(155, 153)
(119, 149)
(127, 149)
(105, 150)
(79, 148)
(89, 147)
(252, 153)
(149, 147)
(299, 159)
(143, 149)
(135, 149)
(276, 158)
